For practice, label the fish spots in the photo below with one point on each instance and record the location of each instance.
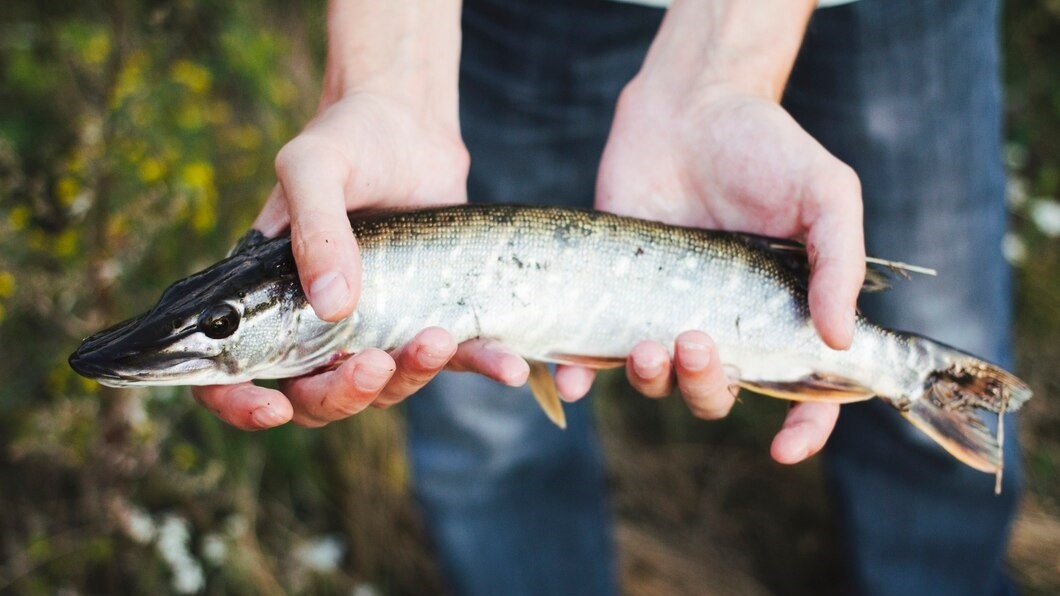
(569, 231)
(638, 252)
(523, 264)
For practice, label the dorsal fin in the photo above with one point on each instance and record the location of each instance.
(249, 240)
(878, 273)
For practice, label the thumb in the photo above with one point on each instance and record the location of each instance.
(835, 243)
(325, 251)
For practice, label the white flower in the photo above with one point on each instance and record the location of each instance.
(322, 554)
(1016, 192)
(1013, 248)
(365, 590)
(173, 538)
(1046, 215)
(139, 525)
(214, 549)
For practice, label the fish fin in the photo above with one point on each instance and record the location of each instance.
(815, 387)
(961, 433)
(946, 410)
(248, 241)
(544, 389)
(878, 273)
(595, 362)
(972, 383)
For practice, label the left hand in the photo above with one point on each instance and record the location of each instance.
(735, 160)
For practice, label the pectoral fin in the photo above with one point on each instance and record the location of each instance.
(544, 389)
(814, 387)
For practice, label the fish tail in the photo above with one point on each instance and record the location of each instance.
(952, 398)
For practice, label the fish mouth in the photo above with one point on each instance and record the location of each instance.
(119, 357)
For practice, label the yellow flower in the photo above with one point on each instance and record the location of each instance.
(66, 190)
(185, 456)
(96, 49)
(66, 243)
(151, 170)
(193, 76)
(130, 78)
(203, 219)
(7, 284)
(18, 217)
(198, 175)
(88, 385)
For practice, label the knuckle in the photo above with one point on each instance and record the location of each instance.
(850, 178)
(708, 409)
(337, 408)
(305, 150)
(650, 388)
(308, 422)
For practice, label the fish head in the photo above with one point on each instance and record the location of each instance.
(236, 321)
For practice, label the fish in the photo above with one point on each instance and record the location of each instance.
(556, 286)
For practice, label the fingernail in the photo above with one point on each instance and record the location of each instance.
(369, 378)
(329, 294)
(694, 356)
(267, 417)
(649, 369)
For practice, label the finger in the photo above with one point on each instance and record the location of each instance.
(329, 263)
(836, 246)
(245, 406)
(701, 376)
(805, 431)
(573, 382)
(273, 217)
(491, 359)
(649, 369)
(340, 393)
(417, 363)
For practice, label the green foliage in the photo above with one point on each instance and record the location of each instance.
(136, 143)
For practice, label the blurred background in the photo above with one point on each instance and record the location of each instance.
(136, 144)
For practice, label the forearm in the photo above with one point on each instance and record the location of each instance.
(404, 50)
(751, 44)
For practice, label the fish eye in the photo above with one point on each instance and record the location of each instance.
(219, 321)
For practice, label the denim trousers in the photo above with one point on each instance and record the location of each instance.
(908, 94)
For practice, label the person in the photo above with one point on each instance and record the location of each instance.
(677, 116)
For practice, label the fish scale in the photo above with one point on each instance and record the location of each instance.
(554, 285)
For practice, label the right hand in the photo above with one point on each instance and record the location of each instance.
(361, 152)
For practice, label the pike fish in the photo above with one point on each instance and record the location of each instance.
(555, 285)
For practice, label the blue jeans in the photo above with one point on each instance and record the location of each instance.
(907, 93)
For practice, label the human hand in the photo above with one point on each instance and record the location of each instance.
(363, 151)
(736, 160)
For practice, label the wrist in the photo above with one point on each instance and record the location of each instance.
(405, 52)
(745, 45)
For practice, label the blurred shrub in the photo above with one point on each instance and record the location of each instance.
(136, 142)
